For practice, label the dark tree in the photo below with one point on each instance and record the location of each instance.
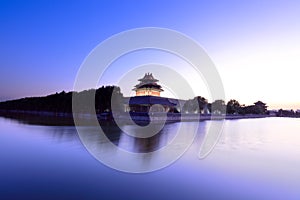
(195, 105)
(233, 107)
(218, 107)
(202, 103)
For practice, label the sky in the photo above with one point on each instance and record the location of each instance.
(255, 45)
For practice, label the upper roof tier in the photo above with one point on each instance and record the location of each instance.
(148, 81)
(148, 78)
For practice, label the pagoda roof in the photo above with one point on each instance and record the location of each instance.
(260, 103)
(148, 85)
(148, 81)
(148, 77)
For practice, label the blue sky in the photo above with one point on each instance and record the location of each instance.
(254, 44)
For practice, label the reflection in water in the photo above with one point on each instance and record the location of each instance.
(145, 145)
(61, 129)
(58, 129)
(62, 133)
(254, 159)
(120, 150)
(39, 119)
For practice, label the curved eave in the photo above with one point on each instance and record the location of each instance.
(159, 89)
(147, 85)
(147, 79)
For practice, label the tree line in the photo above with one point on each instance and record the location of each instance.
(62, 103)
(200, 105)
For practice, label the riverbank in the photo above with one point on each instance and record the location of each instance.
(54, 118)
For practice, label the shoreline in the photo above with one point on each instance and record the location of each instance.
(58, 118)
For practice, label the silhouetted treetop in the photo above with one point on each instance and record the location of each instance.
(62, 102)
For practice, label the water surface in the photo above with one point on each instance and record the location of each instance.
(254, 159)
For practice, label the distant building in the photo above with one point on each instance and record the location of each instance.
(286, 113)
(147, 95)
(260, 107)
(147, 99)
(148, 86)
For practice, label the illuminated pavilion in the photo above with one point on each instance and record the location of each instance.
(148, 94)
(148, 86)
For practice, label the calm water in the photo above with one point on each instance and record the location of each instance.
(254, 159)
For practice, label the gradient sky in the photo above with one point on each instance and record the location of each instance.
(255, 45)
